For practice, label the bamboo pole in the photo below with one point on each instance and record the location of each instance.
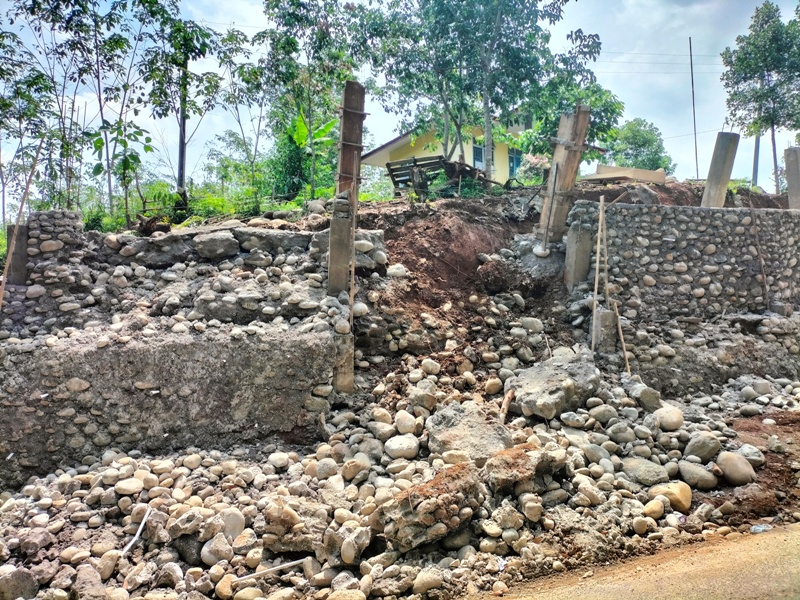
(12, 242)
(597, 270)
(622, 339)
(258, 574)
(605, 254)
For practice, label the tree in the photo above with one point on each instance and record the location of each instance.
(543, 111)
(175, 89)
(459, 53)
(309, 59)
(762, 76)
(639, 145)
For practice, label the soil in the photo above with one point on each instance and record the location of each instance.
(758, 566)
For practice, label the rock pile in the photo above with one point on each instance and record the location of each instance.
(394, 502)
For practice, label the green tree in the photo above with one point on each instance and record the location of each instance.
(761, 77)
(639, 145)
(176, 90)
(309, 58)
(559, 95)
(463, 53)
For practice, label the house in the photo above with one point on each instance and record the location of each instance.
(506, 160)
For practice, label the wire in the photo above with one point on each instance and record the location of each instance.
(658, 72)
(672, 137)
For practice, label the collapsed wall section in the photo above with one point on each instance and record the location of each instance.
(205, 336)
(676, 261)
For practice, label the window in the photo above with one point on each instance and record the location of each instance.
(477, 157)
(514, 161)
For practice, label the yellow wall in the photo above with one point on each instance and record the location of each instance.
(419, 150)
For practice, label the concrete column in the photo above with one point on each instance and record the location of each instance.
(719, 173)
(17, 261)
(579, 255)
(791, 158)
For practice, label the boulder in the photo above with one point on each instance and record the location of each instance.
(736, 469)
(678, 493)
(560, 384)
(217, 244)
(644, 471)
(704, 445)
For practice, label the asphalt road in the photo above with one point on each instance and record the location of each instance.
(765, 565)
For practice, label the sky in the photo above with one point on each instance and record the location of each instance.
(644, 61)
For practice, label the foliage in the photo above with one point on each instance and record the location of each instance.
(639, 145)
(762, 76)
(309, 57)
(560, 95)
(531, 171)
(474, 59)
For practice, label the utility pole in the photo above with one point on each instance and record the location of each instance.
(694, 113)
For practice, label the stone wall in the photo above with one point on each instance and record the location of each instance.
(210, 335)
(667, 261)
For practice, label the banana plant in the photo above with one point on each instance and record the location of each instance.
(311, 139)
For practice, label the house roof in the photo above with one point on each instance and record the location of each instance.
(380, 155)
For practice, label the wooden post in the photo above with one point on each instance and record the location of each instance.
(344, 213)
(341, 259)
(567, 156)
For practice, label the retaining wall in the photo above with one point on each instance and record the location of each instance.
(667, 261)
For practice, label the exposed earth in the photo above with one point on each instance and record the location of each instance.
(485, 446)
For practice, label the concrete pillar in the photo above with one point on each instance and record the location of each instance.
(604, 330)
(579, 255)
(719, 173)
(17, 261)
(791, 159)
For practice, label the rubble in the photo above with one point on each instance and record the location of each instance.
(424, 481)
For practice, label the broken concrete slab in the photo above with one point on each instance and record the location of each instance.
(430, 511)
(466, 427)
(560, 384)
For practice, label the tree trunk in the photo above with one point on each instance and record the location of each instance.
(310, 125)
(183, 203)
(446, 142)
(755, 159)
(102, 117)
(775, 160)
(488, 158)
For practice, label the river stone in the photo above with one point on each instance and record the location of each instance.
(18, 583)
(678, 493)
(402, 446)
(217, 244)
(644, 471)
(753, 455)
(429, 578)
(736, 469)
(697, 476)
(670, 418)
(468, 428)
(128, 487)
(704, 445)
(216, 550)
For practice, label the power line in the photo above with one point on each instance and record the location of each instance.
(648, 62)
(672, 137)
(656, 54)
(658, 72)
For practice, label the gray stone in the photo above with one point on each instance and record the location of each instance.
(753, 455)
(736, 469)
(18, 583)
(560, 384)
(648, 398)
(670, 418)
(217, 244)
(697, 476)
(644, 471)
(704, 445)
(402, 446)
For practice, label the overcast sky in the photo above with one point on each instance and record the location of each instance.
(644, 61)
